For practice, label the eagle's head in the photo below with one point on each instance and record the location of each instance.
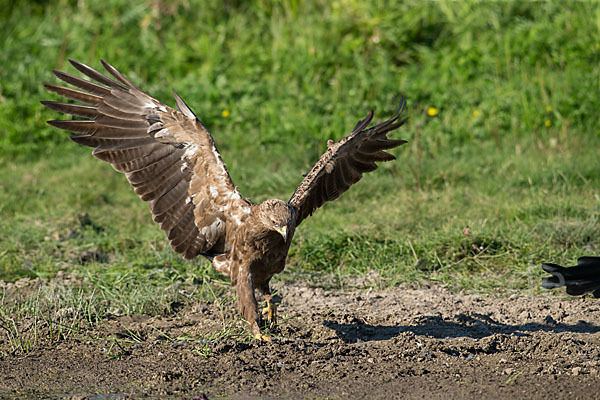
(277, 215)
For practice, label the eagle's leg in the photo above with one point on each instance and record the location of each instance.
(270, 311)
(247, 302)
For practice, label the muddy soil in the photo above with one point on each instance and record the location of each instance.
(339, 344)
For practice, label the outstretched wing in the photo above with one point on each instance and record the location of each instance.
(344, 162)
(168, 156)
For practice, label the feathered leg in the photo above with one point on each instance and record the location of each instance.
(247, 302)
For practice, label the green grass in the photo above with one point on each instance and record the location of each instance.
(512, 152)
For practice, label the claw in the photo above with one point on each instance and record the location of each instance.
(262, 338)
(270, 312)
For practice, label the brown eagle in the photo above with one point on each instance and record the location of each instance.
(172, 162)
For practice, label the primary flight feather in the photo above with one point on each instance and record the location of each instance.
(172, 162)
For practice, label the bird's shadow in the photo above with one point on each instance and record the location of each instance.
(474, 326)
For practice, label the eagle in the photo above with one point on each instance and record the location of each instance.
(172, 162)
(579, 280)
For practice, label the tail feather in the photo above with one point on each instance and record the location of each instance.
(580, 279)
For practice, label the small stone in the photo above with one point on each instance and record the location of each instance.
(576, 371)
(524, 315)
(508, 371)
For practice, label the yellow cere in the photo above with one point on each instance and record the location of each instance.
(432, 111)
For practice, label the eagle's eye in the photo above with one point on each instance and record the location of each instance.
(273, 221)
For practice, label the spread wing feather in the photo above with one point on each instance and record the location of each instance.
(167, 155)
(344, 162)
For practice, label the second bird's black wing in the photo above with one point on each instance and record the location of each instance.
(580, 279)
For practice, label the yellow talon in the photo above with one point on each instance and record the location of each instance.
(270, 311)
(262, 338)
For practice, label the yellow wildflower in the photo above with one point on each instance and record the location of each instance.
(225, 113)
(548, 108)
(432, 111)
(476, 113)
(547, 123)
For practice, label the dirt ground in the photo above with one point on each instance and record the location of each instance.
(339, 344)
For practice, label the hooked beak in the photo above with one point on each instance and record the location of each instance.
(283, 232)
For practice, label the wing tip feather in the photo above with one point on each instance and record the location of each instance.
(57, 123)
(182, 106)
(363, 123)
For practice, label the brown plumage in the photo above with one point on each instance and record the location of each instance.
(172, 162)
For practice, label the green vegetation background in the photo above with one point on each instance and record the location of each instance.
(503, 137)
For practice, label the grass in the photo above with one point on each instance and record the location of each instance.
(511, 152)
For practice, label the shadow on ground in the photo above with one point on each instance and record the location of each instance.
(475, 326)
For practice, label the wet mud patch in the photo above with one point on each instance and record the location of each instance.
(357, 343)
